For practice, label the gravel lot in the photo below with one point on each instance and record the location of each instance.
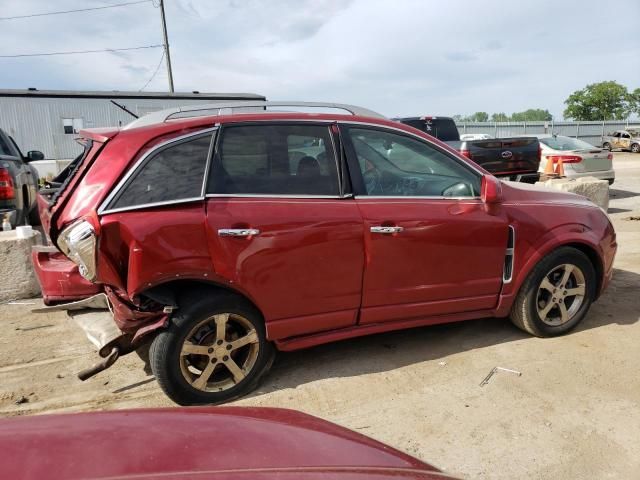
(574, 412)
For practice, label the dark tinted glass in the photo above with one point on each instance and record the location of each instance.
(442, 128)
(174, 173)
(275, 160)
(4, 147)
(397, 165)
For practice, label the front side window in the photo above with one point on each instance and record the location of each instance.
(397, 165)
(275, 160)
(173, 173)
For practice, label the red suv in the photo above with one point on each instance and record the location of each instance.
(222, 236)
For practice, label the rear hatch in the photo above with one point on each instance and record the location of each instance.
(54, 195)
(504, 156)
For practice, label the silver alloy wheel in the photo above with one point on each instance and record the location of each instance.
(219, 352)
(560, 294)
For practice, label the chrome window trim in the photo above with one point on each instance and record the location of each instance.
(260, 195)
(415, 197)
(151, 205)
(337, 162)
(134, 168)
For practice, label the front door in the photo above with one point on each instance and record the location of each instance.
(280, 229)
(431, 248)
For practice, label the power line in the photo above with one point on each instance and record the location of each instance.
(154, 73)
(74, 11)
(79, 51)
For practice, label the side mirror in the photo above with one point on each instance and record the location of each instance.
(34, 155)
(491, 190)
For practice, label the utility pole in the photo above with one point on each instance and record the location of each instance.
(166, 46)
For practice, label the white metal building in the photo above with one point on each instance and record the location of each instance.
(47, 120)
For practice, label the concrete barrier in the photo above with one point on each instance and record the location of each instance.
(594, 189)
(17, 278)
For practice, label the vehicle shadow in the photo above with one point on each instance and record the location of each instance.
(388, 351)
(615, 193)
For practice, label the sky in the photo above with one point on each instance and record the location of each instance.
(398, 57)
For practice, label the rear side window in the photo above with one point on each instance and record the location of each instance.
(275, 160)
(4, 147)
(176, 172)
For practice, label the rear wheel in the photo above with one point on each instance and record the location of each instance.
(556, 295)
(635, 148)
(215, 350)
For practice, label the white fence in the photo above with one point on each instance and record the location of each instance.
(591, 132)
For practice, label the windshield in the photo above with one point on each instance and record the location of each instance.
(566, 143)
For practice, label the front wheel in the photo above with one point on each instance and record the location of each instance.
(607, 146)
(556, 295)
(215, 350)
(635, 148)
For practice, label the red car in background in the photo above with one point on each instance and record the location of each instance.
(211, 443)
(221, 236)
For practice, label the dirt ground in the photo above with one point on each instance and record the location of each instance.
(574, 412)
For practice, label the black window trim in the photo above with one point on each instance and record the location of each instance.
(319, 123)
(359, 190)
(141, 162)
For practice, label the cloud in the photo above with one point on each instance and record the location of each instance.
(400, 58)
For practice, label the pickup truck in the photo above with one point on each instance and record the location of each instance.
(623, 139)
(516, 158)
(18, 183)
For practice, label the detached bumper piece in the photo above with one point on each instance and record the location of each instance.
(95, 317)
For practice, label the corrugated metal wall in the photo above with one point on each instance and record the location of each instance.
(591, 132)
(37, 123)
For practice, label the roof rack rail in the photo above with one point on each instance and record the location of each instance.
(162, 116)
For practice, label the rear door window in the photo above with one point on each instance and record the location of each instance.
(275, 160)
(173, 173)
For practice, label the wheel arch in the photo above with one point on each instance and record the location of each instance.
(581, 244)
(173, 292)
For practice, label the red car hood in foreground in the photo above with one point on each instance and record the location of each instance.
(238, 443)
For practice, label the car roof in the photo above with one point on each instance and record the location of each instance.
(238, 108)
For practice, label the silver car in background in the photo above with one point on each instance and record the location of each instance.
(580, 159)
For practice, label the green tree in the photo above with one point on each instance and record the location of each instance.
(599, 101)
(532, 115)
(478, 117)
(499, 117)
(634, 101)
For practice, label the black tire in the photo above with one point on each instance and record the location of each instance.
(607, 146)
(525, 310)
(168, 365)
(635, 148)
(34, 216)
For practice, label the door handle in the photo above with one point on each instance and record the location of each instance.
(382, 229)
(238, 232)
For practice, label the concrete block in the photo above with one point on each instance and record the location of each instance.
(17, 278)
(594, 189)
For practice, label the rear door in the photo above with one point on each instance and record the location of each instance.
(431, 246)
(280, 228)
(625, 140)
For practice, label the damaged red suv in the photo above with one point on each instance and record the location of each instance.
(220, 235)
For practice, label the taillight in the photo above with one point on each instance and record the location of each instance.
(466, 153)
(564, 158)
(7, 192)
(610, 156)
